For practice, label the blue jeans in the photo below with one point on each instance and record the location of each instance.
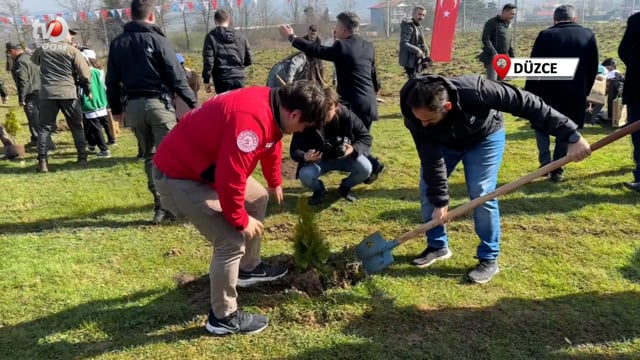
(633, 114)
(481, 165)
(359, 169)
(544, 155)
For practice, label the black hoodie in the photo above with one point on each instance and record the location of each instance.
(225, 55)
(142, 62)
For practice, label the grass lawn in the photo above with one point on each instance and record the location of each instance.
(83, 273)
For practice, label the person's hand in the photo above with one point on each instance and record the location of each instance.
(348, 150)
(420, 54)
(276, 193)
(209, 88)
(90, 96)
(580, 150)
(22, 103)
(439, 214)
(285, 31)
(118, 118)
(312, 156)
(254, 229)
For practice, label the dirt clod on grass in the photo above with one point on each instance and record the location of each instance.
(342, 270)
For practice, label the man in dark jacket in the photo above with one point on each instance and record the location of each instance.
(26, 75)
(316, 67)
(629, 52)
(496, 39)
(564, 39)
(225, 54)
(354, 59)
(460, 119)
(412, 44)
(63, 70)
(342, 144)
(144, 70)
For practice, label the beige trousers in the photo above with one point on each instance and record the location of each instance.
(198, 203)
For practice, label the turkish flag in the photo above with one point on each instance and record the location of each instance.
(444, 29)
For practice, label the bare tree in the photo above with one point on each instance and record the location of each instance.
(245, 15)
(13, 8)
(266, 12)
(296, 8)
(84, 26)
(206, 11)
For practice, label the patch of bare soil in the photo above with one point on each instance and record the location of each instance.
(289, 168)
(342, 270)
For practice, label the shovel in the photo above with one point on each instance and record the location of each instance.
(375, 252)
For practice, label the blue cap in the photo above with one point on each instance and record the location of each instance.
(180, 58)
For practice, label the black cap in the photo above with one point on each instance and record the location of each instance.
(13, 45)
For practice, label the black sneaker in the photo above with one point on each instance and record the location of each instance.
(635, 186)
(318, 196)
(262, 273)
(346, 193)
(239, 322)
(484, 271)
(556, 177)
(374, 175)
(431, 255)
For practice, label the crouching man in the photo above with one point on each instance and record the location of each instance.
(202, 171)
(460, 120)
(342, 144)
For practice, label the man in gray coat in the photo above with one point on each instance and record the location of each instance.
(412, 45)
(496, 39)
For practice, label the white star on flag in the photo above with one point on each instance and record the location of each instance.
(446, 13)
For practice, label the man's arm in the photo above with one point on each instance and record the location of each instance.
(247, 53)
(361, 137)
(434, 170)
(487, 34)
(234, 166)
(22, 80)
(591, 66)
(113, 83)
(374, 73)
(507, 98)
(173, 75)
(208, 56)
(628, 49)
(406, 33)
(329, 53)
(36, 56)
(82, 70)
(272, 165)
(297, 145)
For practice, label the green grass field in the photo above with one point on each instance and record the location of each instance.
(83, 273)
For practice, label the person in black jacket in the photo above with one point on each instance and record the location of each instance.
(629, 52)
(225, 54)
(564, 39)
(342, 144)
(26, 75)
(459, 120)
(354, 59)
(143, 69)
(496, 39)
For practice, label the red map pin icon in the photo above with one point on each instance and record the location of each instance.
(501, 64)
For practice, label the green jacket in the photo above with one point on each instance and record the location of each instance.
(98, 104)
(26, 75)
(62, 68)
(496, 39)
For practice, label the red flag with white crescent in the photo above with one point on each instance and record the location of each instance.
(444, 29)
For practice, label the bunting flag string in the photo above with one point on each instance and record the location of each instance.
(125, 13)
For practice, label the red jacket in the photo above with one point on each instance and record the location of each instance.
(221, 142)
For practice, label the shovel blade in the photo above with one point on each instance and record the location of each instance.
(372, 245)
(377, 262)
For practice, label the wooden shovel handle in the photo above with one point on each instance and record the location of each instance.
(463, 209)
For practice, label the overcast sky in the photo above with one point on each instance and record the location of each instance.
(36, 6)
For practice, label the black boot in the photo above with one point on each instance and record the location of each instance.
(43, 166)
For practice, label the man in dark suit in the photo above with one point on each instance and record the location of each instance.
(564, 39)
(629, 52)
(354, 59)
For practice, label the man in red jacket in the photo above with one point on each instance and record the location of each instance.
(202, 170)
